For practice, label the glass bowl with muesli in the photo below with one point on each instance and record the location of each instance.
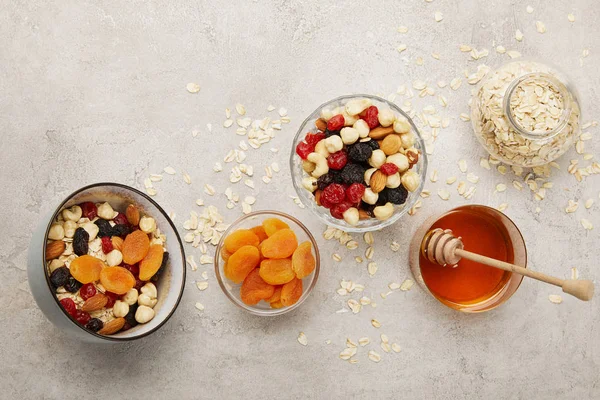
(108, 266)
(358, 163)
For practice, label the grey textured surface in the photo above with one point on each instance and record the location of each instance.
(95, 91)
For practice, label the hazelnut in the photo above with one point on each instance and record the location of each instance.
(131, 297)
(56, 232)
(114, 258)
(120, 309)
(147, 224)
(351, 216)
(144, 314)
(410, 180)
(105, 211)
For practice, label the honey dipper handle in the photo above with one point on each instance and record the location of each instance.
(582, 289)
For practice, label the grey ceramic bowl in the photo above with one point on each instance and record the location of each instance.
(170, 285)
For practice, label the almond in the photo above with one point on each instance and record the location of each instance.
(54, 249)
(378, 181)
(95, 303)
(318, 197)
(413, 156)
(362, 214)
(113, 326)
(117, 243)
(321, 124)
(132, 214)
(391, 144)
(380, 132)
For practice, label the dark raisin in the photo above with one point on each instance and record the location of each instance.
(72, 285)
(104, 228)
(162, 268)
(331, 133)
(94, 325)
(373, 144)
(121, 230)
(130, 317)
(368, 208)
(80, 242)
(59, 276)
(325, 180)
(353, 173)
(359, 152)
(397, 195)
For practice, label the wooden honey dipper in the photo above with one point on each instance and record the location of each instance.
(442, 247)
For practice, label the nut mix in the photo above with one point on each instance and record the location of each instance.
(268, 262)
(104, 265)
(358, 162)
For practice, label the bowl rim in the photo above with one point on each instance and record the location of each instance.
(394, 218)
(162, 211)
(271, 312)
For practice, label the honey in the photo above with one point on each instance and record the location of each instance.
(470, 282)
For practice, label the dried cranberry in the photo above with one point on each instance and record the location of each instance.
(107, 245)
(94, 325)
(112, 297)
(314, 138)
(304, 149)
(80, 241)
(69, 306)
(370, 117)
(134, 269)
(334, 193)
(355, 192)
(88, 290)
(89, 210)
(120, 219)
(139, 284)
(337, 160)
(336, 123)
(325, 202)
(82, 317)
(389, 168)
(337, 211)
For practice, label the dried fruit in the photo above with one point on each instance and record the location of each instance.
(112, 297)
(370, 117)
(353, 173)
(240, 263)
(338, 210)
(277, 271)
(89, 210)
(280, 245)
(59, 277)
(86, 269)
(314, 138)
(80, 241)
(303, 261)
(135, 247)
(334, 193)
(260, 232)
(152, 262)
(113, 326)
(133, 215)
(88, 290)
(378, 181)
(82, 317)
(331, 177)
(360, 151)
(397, 195)
(240, 238)
(336, 123)
(291, 292)
(121, 230)
(72, 285)
(304, 149)
(94, 325)
(104, 228)
(54, 249)
(255, 289)
(107, 245)
(389, 169)
(162, 268)
(130, 317)
(117, 279)
(69, 306)
(337, 160)
(95, 303)
(355, 192)
(117, 243)
(276, 295)
(225, 254)
(121, 219)
(272, 225)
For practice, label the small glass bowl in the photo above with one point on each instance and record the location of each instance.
(232, 290)
(308, 198)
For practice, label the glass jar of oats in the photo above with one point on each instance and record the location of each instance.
(525, 113)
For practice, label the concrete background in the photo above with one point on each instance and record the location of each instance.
(95, 91)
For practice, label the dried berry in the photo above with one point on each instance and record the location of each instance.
(88, 290)
(360, 152)
(59, 276)
(336, 123)
(389, 168)
(82, 317)
(304, 149)
(134, 269)
(329, 178)
(130, 317)
(368, 208)
(325, 203)
(314, 138)
(112, 297)
(331, 133)
(80, 241)
(121, 230)
(86, 269)
(89, 210)
(353, 173)
(126, 327)
(337, 160)
(107, 245)
(355, 192)
(104, 228)
(272, 225)
(334, 193)
(397, 195)
(373, 144)
(94, 325)
(139, 284)
(69, 306)
(370, 117)
(121, 219)
(162, 268)
(338, 210)
(72, 285)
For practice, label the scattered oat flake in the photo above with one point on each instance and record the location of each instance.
(540, 26)
(363, 341)
(501, 187)
(438, 16)
(401, 48)
(200, 306)
(587, 224)
(500, 49)
(376, 323)
(202, 285)
(302, 339)
(193, 87)
(209, 189)
(484, 163)
(151, 191)
(451, 180)
(465, 48)
(519, 35)
(186, 178)
(434, 175)
(571, 17)
(396, 348)
(502, 206)
(555, 298)
(395, 246)
(402, 29)
(589, 203)
(170, 170)
(574, 273)
(336, 257)
(462, 165)
(455, 83)
(407, 285)
(444, 194)
(513, 54)
(227, 123)
(374, 356)
(529, 9)
(240, 109)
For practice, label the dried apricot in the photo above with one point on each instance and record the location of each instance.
(281, 244)
(239, 238)
(86, 269)
(272, 225)
(291, 292)
(135, 247)
(241, 263)
(152, 262)
(133, 215)
(276, 295)
(303, 261)
(276, 304)
(117, 243)
(117, 279)
(225, 254)
(277, 271)
(260, 232)
(255, 289)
